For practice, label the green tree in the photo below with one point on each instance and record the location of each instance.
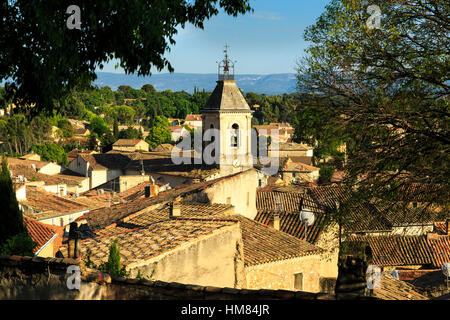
(11, 220)
(389, 88)
(158, 132)
(98, 126)
(148, 88)
(113, 266)
(35, 34)
(51, 152)
(14, 238)
(130, 133)
(66, 128)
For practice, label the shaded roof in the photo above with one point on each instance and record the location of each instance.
(226, 97)
(165, 147)
(369, 217)
(287, 206)
(263, 244)
(163, 164)
(103, 161)
(394, 289)
(396, 250)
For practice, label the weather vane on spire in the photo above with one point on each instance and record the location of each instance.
(224, 66)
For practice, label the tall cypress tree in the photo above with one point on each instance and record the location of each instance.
(11, 220)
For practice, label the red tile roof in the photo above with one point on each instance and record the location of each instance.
(39, 232)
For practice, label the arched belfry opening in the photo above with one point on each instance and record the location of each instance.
(235, 135)
(227, 111)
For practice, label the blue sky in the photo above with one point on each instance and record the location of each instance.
(270, 40)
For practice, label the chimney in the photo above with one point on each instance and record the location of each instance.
(74, 242)
(148, 191)
(276, 221)
(175, 210)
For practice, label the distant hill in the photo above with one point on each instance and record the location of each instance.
(268, 84)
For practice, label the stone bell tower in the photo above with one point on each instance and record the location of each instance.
(228, 112)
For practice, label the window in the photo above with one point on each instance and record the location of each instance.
(298, 281)
(229, 200)
(248, 198)
(235, 135)
(327, 285)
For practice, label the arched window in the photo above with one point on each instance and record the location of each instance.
(213, 138)
(235, 135)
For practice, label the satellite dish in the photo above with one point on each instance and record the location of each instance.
(307, 217)
(446, 269)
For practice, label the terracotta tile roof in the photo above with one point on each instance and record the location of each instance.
(45, 204)
(14, 162)
(101, 218)
(54, 179)
(394, 289)
(127, 142)
(193, 117)
(263, 244)
(440, 227)
(137, 245)
(75, 152)
(367, 217)
(298, 167)
(175, 128)
(293, 146)
(407, 250)
(165, 147)
(39, 232)
(286, 205)
(163, 164)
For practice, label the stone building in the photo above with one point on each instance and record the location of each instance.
(227, 111)
(130, 145)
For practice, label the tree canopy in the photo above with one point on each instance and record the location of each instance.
(43, 60)
(388, 88)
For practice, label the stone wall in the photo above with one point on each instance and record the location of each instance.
(213, 260)
(281, 274)
(46, 279)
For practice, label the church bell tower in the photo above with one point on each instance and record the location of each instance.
(227, 111)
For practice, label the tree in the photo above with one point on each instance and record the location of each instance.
(11, 220)
(51, 152)
(14, 238)
(113, 266)
(130, 133)
(98, 126)
(66, 128)
(44, 59)
(158, 133)
(389, 88)
(148, 88)
(116, 129)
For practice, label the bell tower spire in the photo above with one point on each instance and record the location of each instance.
(227, 111)
(225, 67)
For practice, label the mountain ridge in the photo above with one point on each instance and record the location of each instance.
(269, 84)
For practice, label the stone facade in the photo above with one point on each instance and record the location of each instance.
(215, 260)
(301, 273)
(46, 279)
